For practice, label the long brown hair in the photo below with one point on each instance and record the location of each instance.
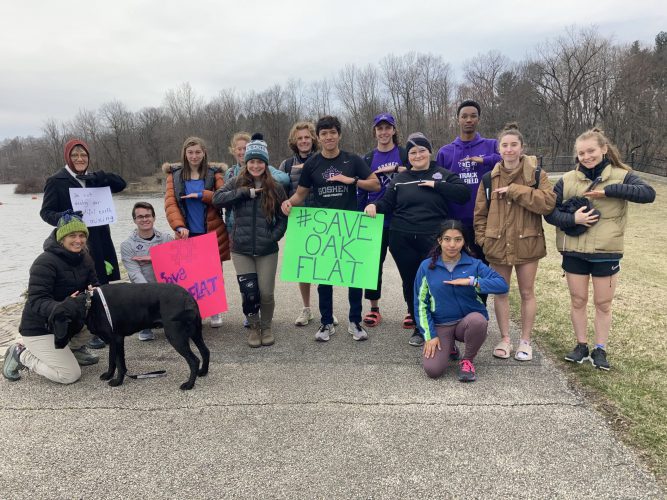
(203, 166)
(269, 194)
(612, 154)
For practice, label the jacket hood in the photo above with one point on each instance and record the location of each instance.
(134, 237)
(528, 164)
(468, 144)
(217, 166)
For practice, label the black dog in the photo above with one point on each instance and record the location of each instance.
(134, 307)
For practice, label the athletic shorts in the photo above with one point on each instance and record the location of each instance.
(599, 269)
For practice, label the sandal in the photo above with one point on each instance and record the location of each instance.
(409, 322)
(503, 350)
(524, 352)
(373, 319)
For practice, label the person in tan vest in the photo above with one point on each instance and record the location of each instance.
(590, 236)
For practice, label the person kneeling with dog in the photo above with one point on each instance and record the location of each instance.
(63, 270)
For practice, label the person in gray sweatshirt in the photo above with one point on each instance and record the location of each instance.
(134, 250)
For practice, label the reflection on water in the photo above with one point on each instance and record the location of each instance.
(24, 233)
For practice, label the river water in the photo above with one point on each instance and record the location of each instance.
(24, 233)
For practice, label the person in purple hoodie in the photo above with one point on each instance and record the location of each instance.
(385, 161)
(470, 156)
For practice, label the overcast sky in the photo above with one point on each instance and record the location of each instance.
(57, 57)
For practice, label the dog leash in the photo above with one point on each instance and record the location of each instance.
(105, 305)
(155, 374)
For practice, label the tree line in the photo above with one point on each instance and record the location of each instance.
(565, 85)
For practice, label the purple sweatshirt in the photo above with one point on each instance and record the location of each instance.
(451, 157)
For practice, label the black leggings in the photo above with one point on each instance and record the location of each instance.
(409, 250)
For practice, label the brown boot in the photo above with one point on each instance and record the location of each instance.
(255, 336)
(267, 337)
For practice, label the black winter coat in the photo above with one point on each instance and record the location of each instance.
(54, 276)
(251, 233)
(57, 200)
(421, 210)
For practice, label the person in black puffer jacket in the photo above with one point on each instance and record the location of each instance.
(64, 269)
(258, 226)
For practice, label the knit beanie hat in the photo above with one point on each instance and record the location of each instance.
(257, 148)
(70, 222)
(71, 144)
(418, 139)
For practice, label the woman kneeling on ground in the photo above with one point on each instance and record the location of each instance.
(259, 224)
(447, 304)
(64, 269)
(590, 238)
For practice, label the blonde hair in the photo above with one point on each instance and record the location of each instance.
(238, 136)
(291, 140)
(612, 154)
(203, 166)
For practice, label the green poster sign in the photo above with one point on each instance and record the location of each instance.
(332, 247)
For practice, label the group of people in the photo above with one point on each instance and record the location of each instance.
(456, 226)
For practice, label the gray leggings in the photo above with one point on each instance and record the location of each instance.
(265, 267)
(471, 330)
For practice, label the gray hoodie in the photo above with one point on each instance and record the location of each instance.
(135, 246)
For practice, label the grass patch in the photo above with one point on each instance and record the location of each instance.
(634, 393)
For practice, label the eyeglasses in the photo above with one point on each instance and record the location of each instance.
(142, 217)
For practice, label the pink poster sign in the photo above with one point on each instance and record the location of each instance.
(195, 265)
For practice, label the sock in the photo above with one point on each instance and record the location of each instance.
(599, 346)
(375, 309)
(585, 344)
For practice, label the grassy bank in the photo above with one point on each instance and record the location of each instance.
(634, 393)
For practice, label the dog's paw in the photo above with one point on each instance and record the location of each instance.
(186, 386)
(115, 382)
(106, 375)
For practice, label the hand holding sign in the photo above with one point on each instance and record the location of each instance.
(194, 264)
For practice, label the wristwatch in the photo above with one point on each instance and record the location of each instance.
(356, 179)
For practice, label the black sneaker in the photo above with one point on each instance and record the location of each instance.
(416, 340)
(579, 354)
(599, 359)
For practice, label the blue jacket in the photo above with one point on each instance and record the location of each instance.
(437, 303)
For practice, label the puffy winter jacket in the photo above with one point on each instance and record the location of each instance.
(252, 234)
(54, 276)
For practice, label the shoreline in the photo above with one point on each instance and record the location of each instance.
(10, 316)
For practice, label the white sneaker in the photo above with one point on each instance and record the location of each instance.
(304, 318)
(325, 332)
(335, 320)
(357, 331)
(216, 320)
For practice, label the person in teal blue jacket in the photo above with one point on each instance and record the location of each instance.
(447, 304)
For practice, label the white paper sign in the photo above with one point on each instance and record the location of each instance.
(95, 203)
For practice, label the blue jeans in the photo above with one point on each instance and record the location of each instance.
(325, 294)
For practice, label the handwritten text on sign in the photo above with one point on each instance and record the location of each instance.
(333, 247)
(95, 203)
(195, 265)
